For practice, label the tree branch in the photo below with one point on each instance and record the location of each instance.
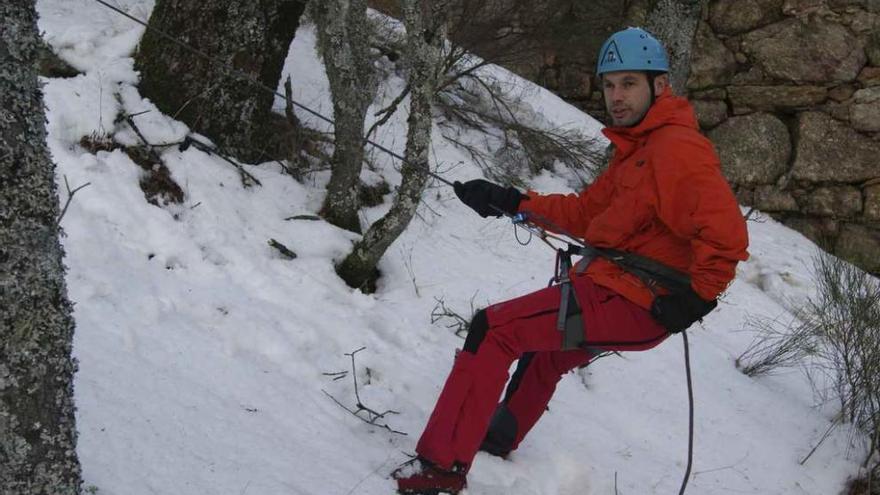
(388, 111)
(371, 414)
(70, 194)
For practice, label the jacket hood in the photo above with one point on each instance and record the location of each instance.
(667, 109)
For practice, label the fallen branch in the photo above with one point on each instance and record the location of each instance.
(129, 119)
(371, 414)
(284, 250)
(70, 194)
(247, 179)
(311, 218)
(459, 323)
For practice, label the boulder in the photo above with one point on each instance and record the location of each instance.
(840, 111)
(870, 77)
(710, 113)
(801, 7)
(836, 201)
(862, 22)
(840, 4)
(776, 97)
(770, 198)
(709, 94)
(872, 203)
(754, 76)
(865, 110)
(754, 149)
(738, 16)
(842, 92)
(712, 64)
(872, 48)
(806, 50)
(859, 244)
(827, 150)
(819, 230)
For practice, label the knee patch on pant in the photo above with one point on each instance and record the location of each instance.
(476, 331)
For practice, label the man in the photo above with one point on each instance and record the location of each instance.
(663, 198)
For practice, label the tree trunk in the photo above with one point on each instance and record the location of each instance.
(251, 37)
(344, 41)
(424, 59)
(37, 428)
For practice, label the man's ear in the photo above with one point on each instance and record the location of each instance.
(661, 82)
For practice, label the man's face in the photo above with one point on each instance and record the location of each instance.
(627, 96)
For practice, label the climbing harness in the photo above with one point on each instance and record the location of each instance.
(569, 320)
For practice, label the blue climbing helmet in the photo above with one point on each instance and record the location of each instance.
(632, 49)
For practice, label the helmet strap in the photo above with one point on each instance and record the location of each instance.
(651, 76)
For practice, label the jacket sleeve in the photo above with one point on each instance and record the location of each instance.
(695, 202)
(570, 213)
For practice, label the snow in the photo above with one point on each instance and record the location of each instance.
(203, 353)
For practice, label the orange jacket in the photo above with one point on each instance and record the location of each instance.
(663, 196)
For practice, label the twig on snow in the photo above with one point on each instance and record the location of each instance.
(70, 194)
(371, 414)
(284, 250)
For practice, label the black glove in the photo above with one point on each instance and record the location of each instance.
(679, 311)
(488, 199)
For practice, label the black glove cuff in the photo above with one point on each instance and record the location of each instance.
(677, 312)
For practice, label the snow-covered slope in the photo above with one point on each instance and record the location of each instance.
(205, 356)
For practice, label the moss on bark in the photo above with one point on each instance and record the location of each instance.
(37, 423)
(252, 38)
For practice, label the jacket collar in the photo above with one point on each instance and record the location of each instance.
(667, 109)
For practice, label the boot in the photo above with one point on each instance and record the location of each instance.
(422, 477)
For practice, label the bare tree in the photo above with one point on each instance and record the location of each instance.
(37, 424)
(252, 38)
(438, 68)
(425, 35)
(344, 41)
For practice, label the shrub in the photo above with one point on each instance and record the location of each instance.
(836, 338)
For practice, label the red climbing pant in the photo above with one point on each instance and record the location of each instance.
(523, 325)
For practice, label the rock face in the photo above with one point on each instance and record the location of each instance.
(710, 113)
(788, 90)
(738, 16)
(837, 202)
(800, 50)
(776, 97)
(865, 110)
(754, 149)
(830, 151)
(797, 121)
(872, 203)
(860, 244)
(713, 64)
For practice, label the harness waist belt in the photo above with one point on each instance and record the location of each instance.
(650, 271)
